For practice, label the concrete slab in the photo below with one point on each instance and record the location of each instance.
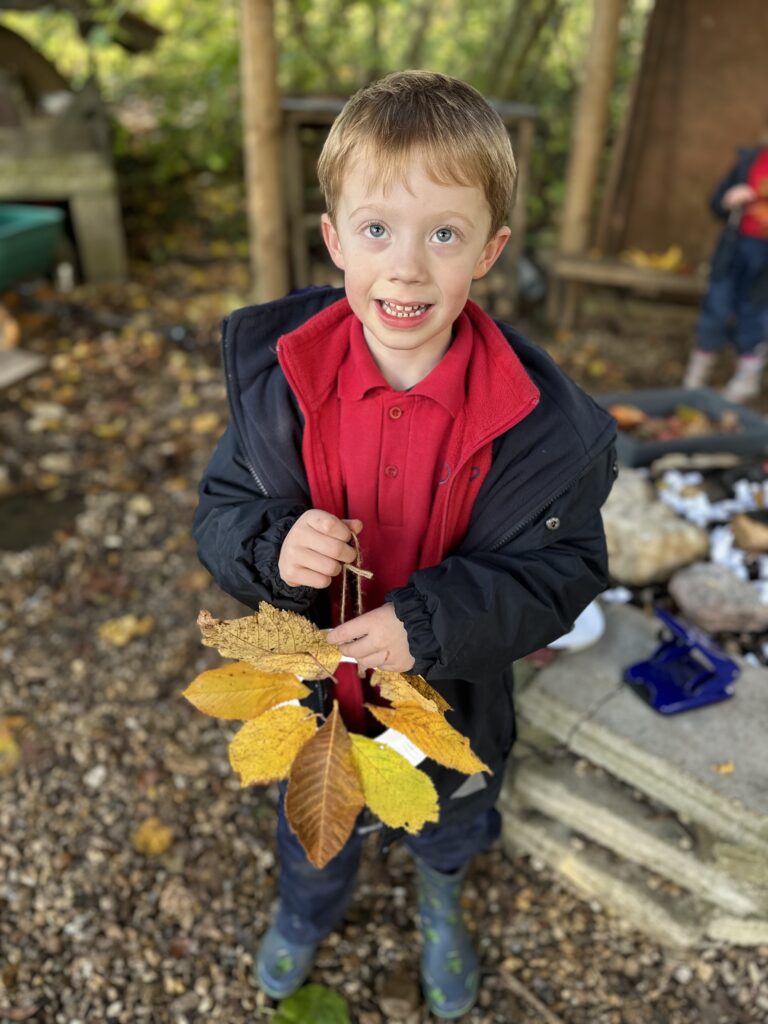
(621, 887)
(604, 810)
(581, 700)
(18, 364)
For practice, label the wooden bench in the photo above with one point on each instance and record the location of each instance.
(568, 275)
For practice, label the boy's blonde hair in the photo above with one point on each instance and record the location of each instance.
(461, 138)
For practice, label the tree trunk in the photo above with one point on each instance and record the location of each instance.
(263, 151)
(589, 125)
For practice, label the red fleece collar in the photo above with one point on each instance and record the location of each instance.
(500, 392)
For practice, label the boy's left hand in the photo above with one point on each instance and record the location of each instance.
(376, 639)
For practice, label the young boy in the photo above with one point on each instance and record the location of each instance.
(469, 467)
(737, 297)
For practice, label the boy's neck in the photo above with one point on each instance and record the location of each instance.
(404, 369)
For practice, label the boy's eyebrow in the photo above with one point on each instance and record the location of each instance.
(444, 214)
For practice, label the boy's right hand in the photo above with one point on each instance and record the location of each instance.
(738, 195)
(316, 548)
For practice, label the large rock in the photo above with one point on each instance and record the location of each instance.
(717, 601)
(647, 542)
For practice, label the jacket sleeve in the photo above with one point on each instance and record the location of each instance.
(239, 531)
(734, 177)
(471, 616)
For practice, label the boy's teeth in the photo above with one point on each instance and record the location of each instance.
(402, 311)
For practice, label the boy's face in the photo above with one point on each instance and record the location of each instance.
(419, 246)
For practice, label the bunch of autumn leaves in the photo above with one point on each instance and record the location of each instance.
(332, 773)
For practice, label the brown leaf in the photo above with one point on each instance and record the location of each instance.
(432, 734)
(404, 689)
(272, 640)
(240, 691)
(324, 794)
(264, 749)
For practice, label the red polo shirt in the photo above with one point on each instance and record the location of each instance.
(392, 451)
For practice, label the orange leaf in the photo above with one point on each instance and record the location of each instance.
(324, 794)
(242, 692)
(432, 734)
(264, 749)
(404, 689)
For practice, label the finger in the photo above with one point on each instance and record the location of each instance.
(354, 629)
(304, 577)
(329, 525)
(355, 525)
(378, 659)
(308, 558)
(331, 547)
(358, 649)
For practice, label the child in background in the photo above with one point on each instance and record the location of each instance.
(468, 466)
(736, 302)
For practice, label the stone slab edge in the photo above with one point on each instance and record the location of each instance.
(652, 775)
(598, 809)
(674, 922)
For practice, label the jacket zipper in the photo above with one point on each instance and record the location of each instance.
(541, 508)
(230, 386)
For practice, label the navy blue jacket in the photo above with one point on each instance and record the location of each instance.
(533, 557)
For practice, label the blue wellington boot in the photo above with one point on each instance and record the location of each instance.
(449, 967)
(282, 966)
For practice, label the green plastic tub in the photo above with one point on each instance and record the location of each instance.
(29, 236)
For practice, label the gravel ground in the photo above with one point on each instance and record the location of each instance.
(95, 738)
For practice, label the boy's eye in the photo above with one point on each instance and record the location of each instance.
(444, 234)
(375, 230)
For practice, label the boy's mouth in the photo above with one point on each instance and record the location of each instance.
(401, 310)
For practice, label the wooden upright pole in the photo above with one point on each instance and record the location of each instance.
(588, 136)
(263, 150)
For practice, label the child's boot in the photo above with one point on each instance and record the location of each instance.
(449, 967)
(282, 966)
(745, 382)
(699, 368)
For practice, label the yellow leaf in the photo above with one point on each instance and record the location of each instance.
(205, 423)
(432, 734)
(403, 689)
(724, 768)
(264, 749)
(273, 641)
(122, 630)
(399, 794)
(152, 837)
(9, 749)
(241, 691)
(324, 794)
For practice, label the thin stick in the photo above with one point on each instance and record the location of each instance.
(525, 993)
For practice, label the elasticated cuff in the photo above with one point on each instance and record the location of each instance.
(266, 552)
(411, 609)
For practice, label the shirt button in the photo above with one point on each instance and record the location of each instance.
(395, 412)
(391, 471)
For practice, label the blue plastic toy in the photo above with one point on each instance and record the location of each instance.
(685, 672)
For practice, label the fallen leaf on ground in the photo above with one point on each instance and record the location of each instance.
(122, 630)
(152, 837)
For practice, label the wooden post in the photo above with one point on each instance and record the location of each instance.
(263, 150)
(588, 137)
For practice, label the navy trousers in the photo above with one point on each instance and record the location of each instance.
(729, 311)
(313, 902)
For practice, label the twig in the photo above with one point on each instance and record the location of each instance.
(525, 993)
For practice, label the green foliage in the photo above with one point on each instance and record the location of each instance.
(178, 106)
(313, 1004)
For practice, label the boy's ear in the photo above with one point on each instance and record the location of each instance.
(491, 253)
(331, 239)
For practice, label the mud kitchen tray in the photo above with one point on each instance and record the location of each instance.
(28, 239)
(750, 439)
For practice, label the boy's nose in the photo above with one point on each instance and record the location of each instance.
(407, 264)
